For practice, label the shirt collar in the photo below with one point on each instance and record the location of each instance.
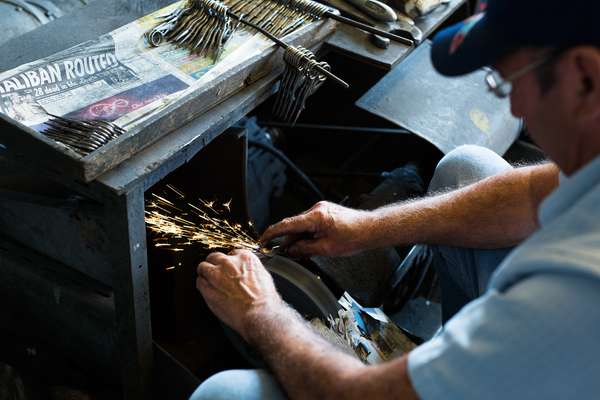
(569, 191)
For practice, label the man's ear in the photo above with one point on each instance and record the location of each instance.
(585, 66)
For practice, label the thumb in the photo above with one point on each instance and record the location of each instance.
(292, 225)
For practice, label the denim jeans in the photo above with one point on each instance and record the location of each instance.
(464, 274)
(238, 384)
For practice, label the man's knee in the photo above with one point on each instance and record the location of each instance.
(465, 165)
(239, 384)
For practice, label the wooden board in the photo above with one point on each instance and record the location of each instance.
(25, 145)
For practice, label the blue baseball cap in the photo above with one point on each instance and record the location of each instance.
(502, 26)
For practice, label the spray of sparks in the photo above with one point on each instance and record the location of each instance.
(178, 223)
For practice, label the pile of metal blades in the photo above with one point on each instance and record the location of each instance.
(210, 21)
(81, 136)
(278, 17)
(204, 26)
(301, 79)
(201, 26)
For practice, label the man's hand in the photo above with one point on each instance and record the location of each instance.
(325, 229)
(236, 286)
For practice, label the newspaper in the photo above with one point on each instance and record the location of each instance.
(117, 77)
(368, 332)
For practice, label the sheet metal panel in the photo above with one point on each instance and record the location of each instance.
(447, 112)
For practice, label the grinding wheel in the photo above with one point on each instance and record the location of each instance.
(298, 287)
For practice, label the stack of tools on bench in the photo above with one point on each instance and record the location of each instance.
(201, 26)
(280, 17)
(81, 136)
(205, 25)
(276, 17)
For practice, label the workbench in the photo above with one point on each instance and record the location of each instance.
(75, 253)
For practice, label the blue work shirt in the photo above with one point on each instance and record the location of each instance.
(535, 333)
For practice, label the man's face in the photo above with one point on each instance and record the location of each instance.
(544, 113)
(563, 119)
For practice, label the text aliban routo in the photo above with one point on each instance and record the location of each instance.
(58, 72)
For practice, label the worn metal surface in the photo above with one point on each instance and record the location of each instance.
(57, 35)
(21, 16)
(356, 43)
(447, 112)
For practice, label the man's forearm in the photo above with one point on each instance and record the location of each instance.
(496, 212)
(301, 359)
(309, 367)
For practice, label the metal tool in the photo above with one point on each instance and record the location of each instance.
(300, 80)
(297, 50)
(208, 12)
(306, 11)
(211, 19)
(303, 76)
(81, 136)
(324, 11)
(202, 26)
(273, 16)
(376, 9)
(403, 26)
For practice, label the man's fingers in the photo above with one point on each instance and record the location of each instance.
(224, 262)
(291, 225)
(207, 270)
(216, 258)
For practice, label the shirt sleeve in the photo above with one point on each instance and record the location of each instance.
(537, 340)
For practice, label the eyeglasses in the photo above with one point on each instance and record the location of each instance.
(502, 87)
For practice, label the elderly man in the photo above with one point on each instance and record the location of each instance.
(533, 331)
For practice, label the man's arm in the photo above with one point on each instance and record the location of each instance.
(499, 211)
(496, 212)
(309, 367)
(240, 291)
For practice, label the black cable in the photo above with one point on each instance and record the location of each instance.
(345, 129)
(290, 164)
